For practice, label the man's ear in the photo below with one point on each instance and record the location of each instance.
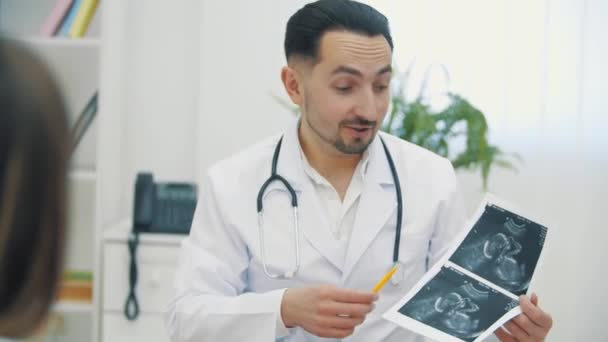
(293, 84)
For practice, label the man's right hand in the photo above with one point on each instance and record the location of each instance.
(326, 311)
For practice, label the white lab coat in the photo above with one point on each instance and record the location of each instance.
(222, 293)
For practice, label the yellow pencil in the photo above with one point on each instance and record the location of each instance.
(384, 279)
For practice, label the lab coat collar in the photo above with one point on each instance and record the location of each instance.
(378, 169)
(377, 203)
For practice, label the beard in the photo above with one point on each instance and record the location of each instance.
(356, 146)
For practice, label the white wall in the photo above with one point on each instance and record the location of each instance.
(534, 67)
(241, 60)
(149, 112)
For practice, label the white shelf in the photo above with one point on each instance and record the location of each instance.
(120, 231)
(83, 174)
(75, 65)
(66, 307)
(62, 42)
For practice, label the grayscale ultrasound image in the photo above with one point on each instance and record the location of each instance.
(503, 248)
(457, 305)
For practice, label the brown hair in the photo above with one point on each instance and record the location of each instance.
(34, 145)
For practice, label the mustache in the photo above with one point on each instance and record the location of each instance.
(358, 122)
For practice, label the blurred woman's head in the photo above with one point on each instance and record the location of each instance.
(34, 149)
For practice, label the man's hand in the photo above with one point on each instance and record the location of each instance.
(532, 325)
(326, 311)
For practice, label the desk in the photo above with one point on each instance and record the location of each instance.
(157, 256)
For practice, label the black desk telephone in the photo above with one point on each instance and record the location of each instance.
(158, 208)
(163, 207)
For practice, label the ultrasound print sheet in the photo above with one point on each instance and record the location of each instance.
(475, 288)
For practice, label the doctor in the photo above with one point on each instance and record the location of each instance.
(329, 223)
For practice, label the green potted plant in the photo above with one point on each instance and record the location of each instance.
(438, 130)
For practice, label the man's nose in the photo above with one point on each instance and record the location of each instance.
(366, 105)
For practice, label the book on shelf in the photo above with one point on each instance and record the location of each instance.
(83, 18)
(76, 286)
(69, 19)
(84, 120)
(52, 24)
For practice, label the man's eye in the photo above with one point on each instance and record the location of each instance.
(344, 89)
(380, 87)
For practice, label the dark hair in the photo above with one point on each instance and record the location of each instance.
(34, 145)
(306, 27)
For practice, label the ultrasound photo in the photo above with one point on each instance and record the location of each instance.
(503, 248)
(457, 305)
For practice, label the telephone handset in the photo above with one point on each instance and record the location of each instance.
(158, 208)
(163, 207)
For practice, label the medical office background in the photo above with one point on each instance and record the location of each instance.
(186, 83)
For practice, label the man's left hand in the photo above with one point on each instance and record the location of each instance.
(532, 325)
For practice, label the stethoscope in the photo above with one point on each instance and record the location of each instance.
(294, 203)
